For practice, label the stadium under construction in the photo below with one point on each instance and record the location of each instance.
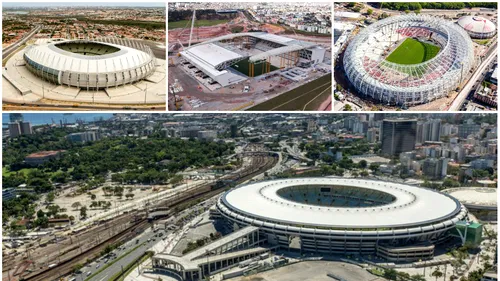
(232, 58)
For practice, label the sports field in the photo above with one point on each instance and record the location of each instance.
(259, 69)
(197, 23)
(307, 97)
(412, 51)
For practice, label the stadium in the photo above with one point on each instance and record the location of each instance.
(233, 58)
(331, 215)
(103, 71)
(477, 27)
(89, 64)
(480, 201)
(409, 59)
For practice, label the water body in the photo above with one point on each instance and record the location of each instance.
(46, 118)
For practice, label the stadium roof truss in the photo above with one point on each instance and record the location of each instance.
(287, 45)
(371, 74)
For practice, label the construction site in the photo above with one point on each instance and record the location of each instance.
(242, 63)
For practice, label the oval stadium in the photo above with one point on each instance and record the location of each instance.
(477, 27)
(331, 215)
(408, 59)
(89, 64)
(104, 72)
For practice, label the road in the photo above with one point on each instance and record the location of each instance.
(7, 51)
(489, 57)
(122, 263)
(294, 151)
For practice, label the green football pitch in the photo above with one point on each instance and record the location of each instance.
(259, 69)
(412, 51)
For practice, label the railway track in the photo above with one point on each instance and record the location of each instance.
(65, 267)
(259, 164)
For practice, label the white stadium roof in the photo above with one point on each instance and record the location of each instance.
(220, 56)
(213, 54)
(475, 196)
(476, 24)
(412, 206)
(49, 55)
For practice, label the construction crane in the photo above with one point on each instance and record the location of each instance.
(192, 27)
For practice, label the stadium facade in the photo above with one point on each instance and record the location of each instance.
(263, 51)
(372, 75)
(477, 27)
(345, 216)
(89, 64)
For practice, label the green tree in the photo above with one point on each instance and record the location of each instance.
(83, 212)
(437, 273)
(50, 197)
(76, 205)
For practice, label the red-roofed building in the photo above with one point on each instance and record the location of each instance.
(38, 158)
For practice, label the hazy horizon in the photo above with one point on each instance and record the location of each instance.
(80, 4)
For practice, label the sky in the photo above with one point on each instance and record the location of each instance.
(81, 4)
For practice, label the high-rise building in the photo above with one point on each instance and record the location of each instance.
(435, 168)
(234, 130)
(429, 131)
(371, 135)
(25, 128)
(464, 130)
(14, 129)
(398, 135)
(83, 136)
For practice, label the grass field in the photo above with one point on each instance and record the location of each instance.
(306, 97)
(197, 23)
(242, 66)
(412, 51)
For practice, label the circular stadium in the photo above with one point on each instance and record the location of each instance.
(477, 27)
(408, 59)
(345, 216)
(480, 201)
(89, 64)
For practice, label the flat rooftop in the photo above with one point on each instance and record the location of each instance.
(44, 153)
(212, 54)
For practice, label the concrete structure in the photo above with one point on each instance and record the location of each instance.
(398, 135)
(372, 75)
(224, 253)
(19, 128)
(464, 130)
(481, 201)
(89, 64)
(38, 158)
(344, 216)
(477, 27)
(103, 71)
(435, 168)
(215, 56)
(25, 128)
(83, 136)
(14, 129)
(490, 276)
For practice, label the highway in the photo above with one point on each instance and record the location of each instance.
(294, 151)
(101, 263)
(7, 51)
(483, 67)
